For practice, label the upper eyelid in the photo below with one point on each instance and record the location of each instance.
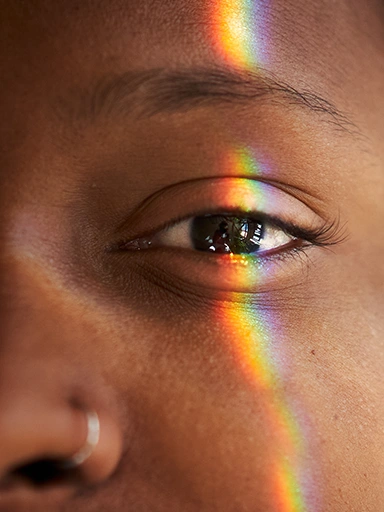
(245, 196)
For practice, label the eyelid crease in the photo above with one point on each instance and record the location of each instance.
(225, 194)
(316, 204)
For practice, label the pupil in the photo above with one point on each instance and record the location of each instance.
(226, 234)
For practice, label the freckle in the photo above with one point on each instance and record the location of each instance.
(313, 352)
(336, 417)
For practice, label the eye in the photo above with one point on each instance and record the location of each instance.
(223, 234)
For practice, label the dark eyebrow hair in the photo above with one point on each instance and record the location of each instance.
(148, 93)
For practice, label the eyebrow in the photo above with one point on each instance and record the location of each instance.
(152, 92)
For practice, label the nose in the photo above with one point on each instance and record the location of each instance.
(48, 386)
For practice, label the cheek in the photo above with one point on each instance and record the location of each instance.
(335, 378)
(213, 419)
(237, 404)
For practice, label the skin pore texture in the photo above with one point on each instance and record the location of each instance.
(231, 384)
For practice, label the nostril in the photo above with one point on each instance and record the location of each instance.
(42, 472)
(39, 473)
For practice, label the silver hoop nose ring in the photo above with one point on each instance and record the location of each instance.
(93, 436)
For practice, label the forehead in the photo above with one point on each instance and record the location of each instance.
(49, 47)
(161, 32)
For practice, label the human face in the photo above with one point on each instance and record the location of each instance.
(245, 376)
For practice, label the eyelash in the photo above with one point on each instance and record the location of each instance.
(326, 236)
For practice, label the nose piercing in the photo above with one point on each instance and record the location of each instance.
(93, 435)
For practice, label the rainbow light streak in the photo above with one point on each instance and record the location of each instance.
(235, 34)
(241, 162)
(252, 349)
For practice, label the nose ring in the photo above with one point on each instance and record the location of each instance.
(93, 435)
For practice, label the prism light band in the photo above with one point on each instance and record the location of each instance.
(236, 34)
(252, 333)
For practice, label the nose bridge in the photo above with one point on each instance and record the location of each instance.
(43, 331)
(34, 330)
(34, 237)
(29, 300)
(34, 232)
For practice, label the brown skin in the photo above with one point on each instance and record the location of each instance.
(183, 427)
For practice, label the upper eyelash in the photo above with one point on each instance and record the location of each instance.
(327, 235)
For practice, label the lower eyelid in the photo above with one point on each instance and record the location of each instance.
(227, 273)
